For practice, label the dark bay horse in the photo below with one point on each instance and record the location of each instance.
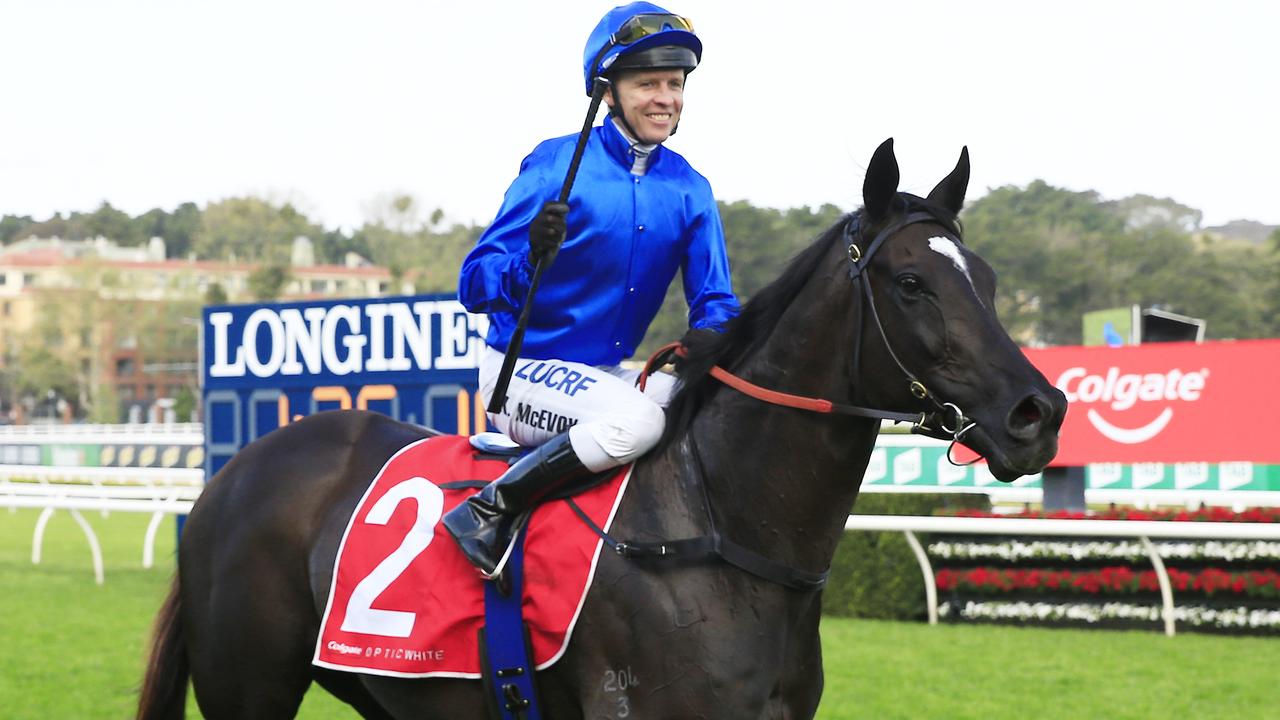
(883, 308)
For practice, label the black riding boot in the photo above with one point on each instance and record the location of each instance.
(482, 524)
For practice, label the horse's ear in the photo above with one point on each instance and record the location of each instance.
(881, 185)
(950, 192)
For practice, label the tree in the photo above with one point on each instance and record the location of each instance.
(39, 368)
(62, 349)
(267, 282)
(215, 294)
(761, 241)
(399, 212)
(106, 407)
(106, 222)
(184, 405)
(1059, 254)
(56, 226)
(1145, 211)
(151, 224)
(436, 257)
(333, 245)
(180, 228)
(1163, 269)
(12, 226)
(110, 223)
(1271, 295)
(1051, 249)
(250, 229)
(167, 332)
(430, 258)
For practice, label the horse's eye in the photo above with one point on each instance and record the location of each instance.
(910, 284)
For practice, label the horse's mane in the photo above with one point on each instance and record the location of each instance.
(760, 316)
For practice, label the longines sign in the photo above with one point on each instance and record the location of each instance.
(266, 365)
(338, 339)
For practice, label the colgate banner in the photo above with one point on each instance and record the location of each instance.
(1168, 402)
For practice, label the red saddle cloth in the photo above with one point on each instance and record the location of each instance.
(405, 601)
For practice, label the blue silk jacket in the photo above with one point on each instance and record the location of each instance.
(627, 236)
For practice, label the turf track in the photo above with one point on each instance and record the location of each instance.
(72, 650)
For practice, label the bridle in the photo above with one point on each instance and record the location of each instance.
(946, 421)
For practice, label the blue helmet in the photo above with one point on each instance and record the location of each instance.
(639, 35)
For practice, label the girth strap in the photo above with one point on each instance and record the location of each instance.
(506, 656)
(708, 547)
(712, 547)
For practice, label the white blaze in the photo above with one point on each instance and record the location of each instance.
(948, 248)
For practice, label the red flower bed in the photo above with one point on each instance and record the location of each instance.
(1207, 514)
(1110, 581)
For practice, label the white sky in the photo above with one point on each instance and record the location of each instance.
(332, 104)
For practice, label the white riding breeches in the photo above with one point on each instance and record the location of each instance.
(609, 420)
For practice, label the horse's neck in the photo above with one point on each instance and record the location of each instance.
(781, 486)
(781, 481)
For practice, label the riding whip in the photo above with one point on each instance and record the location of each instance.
(517, 336)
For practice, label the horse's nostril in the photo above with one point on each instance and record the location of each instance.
(1026, 417)
(1029, 413)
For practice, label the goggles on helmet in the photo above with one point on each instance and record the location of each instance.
(641, 26)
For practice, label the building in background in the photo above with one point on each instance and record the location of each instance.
(92, 329)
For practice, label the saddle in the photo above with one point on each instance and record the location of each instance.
(405, 602)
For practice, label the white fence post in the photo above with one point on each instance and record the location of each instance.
(926, 569)
(1166, 590)
(94, 548)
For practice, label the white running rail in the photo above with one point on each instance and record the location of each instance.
(193, 477)
(158, 500)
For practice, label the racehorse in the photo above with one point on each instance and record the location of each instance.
(887, 310)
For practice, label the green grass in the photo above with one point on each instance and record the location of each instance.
(73, 650)
(70, 649)
(890, 670)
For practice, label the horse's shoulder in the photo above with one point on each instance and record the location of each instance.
(661, 499)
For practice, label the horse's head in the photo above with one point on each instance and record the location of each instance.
(914, 331)
(933, 321)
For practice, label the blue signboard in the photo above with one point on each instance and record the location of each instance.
(265, 365)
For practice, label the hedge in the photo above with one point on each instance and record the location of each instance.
(875, 574)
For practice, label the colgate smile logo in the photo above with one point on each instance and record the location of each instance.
(1123, 391)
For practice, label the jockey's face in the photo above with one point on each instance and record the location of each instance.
(651, 101)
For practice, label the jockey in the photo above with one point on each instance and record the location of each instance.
(641, 214)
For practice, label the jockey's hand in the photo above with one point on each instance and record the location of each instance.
(695, 343)
(546, 232)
